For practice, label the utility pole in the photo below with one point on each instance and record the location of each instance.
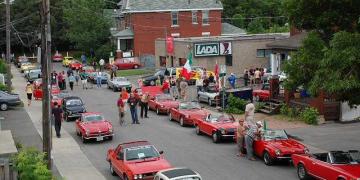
(8, 56)
(45, 65)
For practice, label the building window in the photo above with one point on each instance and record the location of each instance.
(182, 61)
(263, 53)
(162, 61)
(194, 17)
(228, 60)
(174, 18)
(175, 35)
(206, 34)
(205, 17)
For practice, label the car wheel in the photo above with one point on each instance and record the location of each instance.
(152, 83)
(4, 107)
(136, 66)
(182, 122)
(197, 129)
(170, 117)
(302, 172)
(110, 138)
(112, 170)
(215, 137)
(209, 102)
(157, 111)
(114, 89)
(267, 159)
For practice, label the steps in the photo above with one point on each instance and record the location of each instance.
(271, 107)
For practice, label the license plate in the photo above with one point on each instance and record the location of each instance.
(100, 138)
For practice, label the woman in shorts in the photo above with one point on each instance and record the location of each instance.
(29, 91)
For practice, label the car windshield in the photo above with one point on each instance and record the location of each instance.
(164, 97)
(159, 73)
(120, 79)
(274, 134)
(141, 152)
(93, 118)
(343, 158)
(355, 155)
(215, 118)
(191, 105)
(73, 102)
(62, 95)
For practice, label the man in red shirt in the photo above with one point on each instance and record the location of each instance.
(166, 86)
(121, 107)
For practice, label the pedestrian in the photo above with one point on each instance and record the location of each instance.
(83, 79)
(124, 94)
(246, 78)
(132, 101)
(251, 75)
(58, 114)
(206, 83)
(173, 89)
(69, 71)
(63, 82)
(71, 81)
(98, 79)
(121, 109)
(240, 133)
(257, 75)
(83, 58)
(232, 80)
(183, 89)
(53, 77)
(114, 68)
(166, 86)
(144, 105)
(252, 134)
(60, 80)
(211, 78)
(178, 81)
(249, 112)
(102, 63)
(29, 91)
(94, 64)
(199, 84)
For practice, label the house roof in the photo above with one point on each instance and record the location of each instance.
(124, 34)
(229, 29)
(291, 43)
(138, 6)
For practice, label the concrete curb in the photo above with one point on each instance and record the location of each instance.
(70, 161)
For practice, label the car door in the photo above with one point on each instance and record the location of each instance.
(176, 114)
(201, 95)
(207, 127)
(119, 161)
(121, 64)
(323, 169)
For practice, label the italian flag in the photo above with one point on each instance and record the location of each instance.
(186, 70)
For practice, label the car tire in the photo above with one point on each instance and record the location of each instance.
(209, 102)
(136, 66)
(302, 172)
(215, 137)
(112, 169)
(4, 107)
(114, 89)
(157, 111)
(267, 159)
(182, 122)
(197, 130)
(152, 83)
(111, 138)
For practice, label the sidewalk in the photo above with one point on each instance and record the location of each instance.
(67, 156)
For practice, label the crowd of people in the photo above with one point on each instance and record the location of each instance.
(254, 76)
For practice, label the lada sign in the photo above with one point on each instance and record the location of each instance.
(212, 49)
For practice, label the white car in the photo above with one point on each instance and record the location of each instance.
(177, 174)
(208, 95)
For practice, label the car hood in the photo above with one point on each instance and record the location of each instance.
(196, 113)
(351, 169)
(75, 108)
(97, 126)
(226, 125)
(286, 146)
(154, 165)
(169, 103)
(122, 83)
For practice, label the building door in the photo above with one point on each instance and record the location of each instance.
(162, 61)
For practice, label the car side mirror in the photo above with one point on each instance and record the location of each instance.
(161, 152)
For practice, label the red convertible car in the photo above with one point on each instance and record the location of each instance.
(127, 63)
(218, 126)
(162, 103)
(93, 126)
(262, 94)
(187, 112)
(59, 98)
(333, 165)
(75, 65)
(136, 160)
(276, 145)
(57, 57)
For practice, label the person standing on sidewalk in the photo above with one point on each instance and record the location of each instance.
(29, 91)
(94, 64)
(166, 86)
(173, 89)
(144, 105)
(121, 109)
(71, 81)
(133, 102)
(63, 82)
(58, 114)
(98, 79)
(249, 112)
(83, 79)
(102, 63)
(240, 133)
(60, 80)
(114, 68)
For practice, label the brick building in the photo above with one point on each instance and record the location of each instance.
(141, 22)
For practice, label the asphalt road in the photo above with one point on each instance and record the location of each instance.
(182, 146)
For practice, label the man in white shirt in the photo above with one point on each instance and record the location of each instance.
(257, 75)
(249, 112)
(102, 63)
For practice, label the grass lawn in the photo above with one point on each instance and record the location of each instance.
(134, 72)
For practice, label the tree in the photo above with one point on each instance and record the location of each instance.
(303, 64)
(229, 7)
(239, 21)
(324, 16)
(87, 27)
(255, 26)
(339, 71)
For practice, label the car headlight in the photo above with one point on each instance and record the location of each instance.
(277, 152)
(138, 176)
(306, 151)
(222, 131)
(87, 132)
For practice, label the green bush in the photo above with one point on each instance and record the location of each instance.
(2, 66)
(310, 115)
(30, 164)
(259, 105)
(284, 110)
(4, 87)
(235, 105)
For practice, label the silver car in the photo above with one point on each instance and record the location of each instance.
(208, 95)
(33, 74)
(117, 83)
(8, 99)
(177, 174)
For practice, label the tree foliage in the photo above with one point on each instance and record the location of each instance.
(87, 27)
(324, 16)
